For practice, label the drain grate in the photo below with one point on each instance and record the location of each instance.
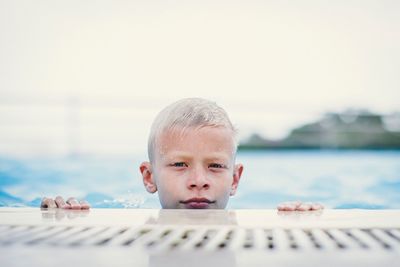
(190, 238)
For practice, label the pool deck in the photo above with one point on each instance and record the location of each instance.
(35, 237)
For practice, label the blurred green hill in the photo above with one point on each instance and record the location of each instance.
(352, 129)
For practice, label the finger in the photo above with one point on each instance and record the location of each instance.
(74, 203)
(48, 203)
(61, 203)
(316, 206)
(84, 204)
(304, 207)
(282, 206)
(43, 204)
(287, 206)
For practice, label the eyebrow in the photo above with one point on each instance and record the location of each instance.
(211, 156)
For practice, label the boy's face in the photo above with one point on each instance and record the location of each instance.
(194, 169)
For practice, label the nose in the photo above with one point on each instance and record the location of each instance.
(198, 180)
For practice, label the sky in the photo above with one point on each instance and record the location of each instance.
(90, 76)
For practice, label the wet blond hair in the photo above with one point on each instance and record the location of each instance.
(187, 113)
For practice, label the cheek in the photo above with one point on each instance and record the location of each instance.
(223, 183)
(168, 190)
(167, 181)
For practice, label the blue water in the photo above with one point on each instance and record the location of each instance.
(337, 179)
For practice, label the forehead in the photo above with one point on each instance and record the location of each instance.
(214, 142)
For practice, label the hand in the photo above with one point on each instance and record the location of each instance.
(299, 206)
(59, 202)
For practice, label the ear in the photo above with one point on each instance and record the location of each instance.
(148, 177)
(237, 173)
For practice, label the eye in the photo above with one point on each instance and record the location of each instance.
(179, 164)
(216, 165)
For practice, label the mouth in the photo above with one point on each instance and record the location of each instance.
(197, 203)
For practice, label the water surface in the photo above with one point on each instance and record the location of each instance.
(337, 179)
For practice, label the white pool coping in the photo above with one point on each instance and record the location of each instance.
(244, 218)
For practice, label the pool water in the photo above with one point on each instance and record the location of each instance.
(337, 179)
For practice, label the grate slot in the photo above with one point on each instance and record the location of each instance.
(87, 236)
(140, 234)
(59, 239)
(214, 242)
(236, 241)
(377, 237)
(303, 240)
(6, 228)
(105, 236)
(361, 244)
(116, 237)
(219, 240)
(14, 231)
(313, 240)
(292, 240)
(205, 239)
(26, 234)
(248, 239)
(18, 231)
(169, 240)
(344, 239)
(394, 234)
(367, 239)
(339, 244)
(71, 236)
(124, 237)
(281, 241)
(44, 235)
(158, 238)
(185, 237)
(324, 240)
(269, 239)
(227, 239)
(382, 235)
(13, 228)
(195, 238)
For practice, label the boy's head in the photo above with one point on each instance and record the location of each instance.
(192, 148)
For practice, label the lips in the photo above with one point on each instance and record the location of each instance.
(197, 203)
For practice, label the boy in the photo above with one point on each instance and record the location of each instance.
(192, 150)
